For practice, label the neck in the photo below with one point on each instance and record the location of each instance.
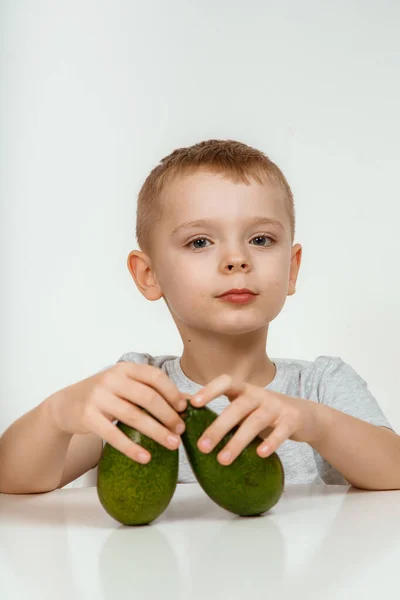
(206, 356)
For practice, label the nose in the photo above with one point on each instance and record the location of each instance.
(236, 264)
(237, 267)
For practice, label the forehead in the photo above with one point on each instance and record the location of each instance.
(205, 194)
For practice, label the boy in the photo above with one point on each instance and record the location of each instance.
(215, 224)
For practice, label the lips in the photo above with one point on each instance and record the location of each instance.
(237, 291)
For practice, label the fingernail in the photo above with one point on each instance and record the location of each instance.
(226, 456)
(180, 428)
(197, 399)
(173, 441)
(264, 449)
(205, 444)
(143, 457)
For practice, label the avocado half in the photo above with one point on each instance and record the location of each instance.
(249, 486)
(135, 493)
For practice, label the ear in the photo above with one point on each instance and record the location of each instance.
(294, 268)
(139, 265)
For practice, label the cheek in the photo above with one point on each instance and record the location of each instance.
(277, 282)
(188, 295)
(179, 277)
(272, 270)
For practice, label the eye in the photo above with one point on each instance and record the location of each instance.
(189, 244)
(261, 237)
(202, 239)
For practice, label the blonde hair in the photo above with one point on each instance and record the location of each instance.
(234, 159)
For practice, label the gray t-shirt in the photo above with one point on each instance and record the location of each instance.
(327, 379)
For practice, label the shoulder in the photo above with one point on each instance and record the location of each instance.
(309, 371)
(306, 378)
(336, 374)
(343, 388)
(143, 358)
(329, 374)
(318, 368)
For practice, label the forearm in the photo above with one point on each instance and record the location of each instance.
(32, 453)
(368, 456)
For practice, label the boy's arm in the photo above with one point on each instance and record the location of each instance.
(48, 458)
(368, 456)
(83, 454)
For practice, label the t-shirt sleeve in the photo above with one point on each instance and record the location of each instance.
(341, 387)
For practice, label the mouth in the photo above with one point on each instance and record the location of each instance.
(237, 292)
(241, 297)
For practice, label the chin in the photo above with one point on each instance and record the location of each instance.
(239, 326)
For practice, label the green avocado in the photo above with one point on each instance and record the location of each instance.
(135, 493)
(249, 486)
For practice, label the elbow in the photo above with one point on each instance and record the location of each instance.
(15, 488)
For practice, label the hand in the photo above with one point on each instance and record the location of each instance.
(119, 393)
(270, 415)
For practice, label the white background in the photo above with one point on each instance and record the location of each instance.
(94, 93)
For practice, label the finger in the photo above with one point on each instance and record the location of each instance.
(148, 398)
(135, 417)
(224, 384)
(281, 433)
(117, 438)
(157, 379)
(230, 416)
(249, 429)
(186, 398)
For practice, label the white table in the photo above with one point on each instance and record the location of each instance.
(318, 542)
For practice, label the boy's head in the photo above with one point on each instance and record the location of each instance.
(231, 186)
(235, 160)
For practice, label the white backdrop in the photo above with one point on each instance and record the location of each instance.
(94, 93)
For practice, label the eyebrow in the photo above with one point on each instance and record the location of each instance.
(210, 223)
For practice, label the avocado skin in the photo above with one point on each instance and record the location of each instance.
(135, 493)
(249, 486)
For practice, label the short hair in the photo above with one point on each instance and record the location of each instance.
(234, 159)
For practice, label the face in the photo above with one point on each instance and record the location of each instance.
(232, 248)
